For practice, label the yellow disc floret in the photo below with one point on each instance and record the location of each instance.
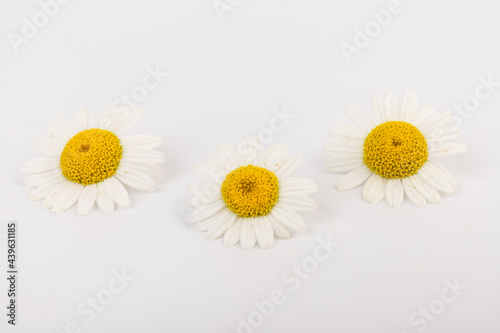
(395, 149)
(91, 156)
(250, 191)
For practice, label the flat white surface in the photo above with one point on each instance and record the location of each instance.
(226, 77)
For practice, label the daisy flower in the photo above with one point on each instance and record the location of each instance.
(390, 152)
(90, 162)
(247, 195)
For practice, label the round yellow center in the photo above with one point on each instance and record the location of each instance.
(91, 156)
(395, 149)
(250, 191)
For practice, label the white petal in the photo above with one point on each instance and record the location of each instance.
(68, 198)
(445, 133)
(450, 133)
(409, 106)
(330, 148)
(55, 193)
(423, 113)
(216, 162)
(273, 157)
(264, 232)
(116, 191)
(83, 120)
(394, 192)
(298, 203)
(335, 143)
(279, 229)
(446, 149)
(374, 189)
(49, 147)
(412, 193)
(38, 179)
(132, 119)
(429, 193)
(215, 221)
(120, 120)
(353, 179)
(44, 189)
(379, 108)
(436, 181)
(146, 156)
(227, 151)
(232, 235)
(392, 107)
(249, 149)
(104, 201)
(362, 118)
(288, 218)
(86, 200)
(141, 142)
(65, 126)
(57, 136)
(346, 155)
(202, 199)
(203, 187)
(349, 132)
(204, 193)
(247, 237)
(291, 163)
(440, 172)
(204, 212)
(297, 185)
(147, 168)
(434, 121)
(229, 156)
(219, 230)
(344, 165)
(135, 179)
(41, 164)
(208, 174)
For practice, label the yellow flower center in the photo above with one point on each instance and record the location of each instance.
(250, 191)
(91, 156)
(395, 149)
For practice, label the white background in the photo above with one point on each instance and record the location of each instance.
(226, 78)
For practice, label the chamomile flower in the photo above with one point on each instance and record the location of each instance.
(246, 194)
(89, 162)
(391, 152)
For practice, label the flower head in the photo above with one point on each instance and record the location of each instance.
(390, 153)
(247, 194)
(89, 162)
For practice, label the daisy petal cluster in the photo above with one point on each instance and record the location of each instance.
(392, 151)
(246, 194)
(88, 162)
